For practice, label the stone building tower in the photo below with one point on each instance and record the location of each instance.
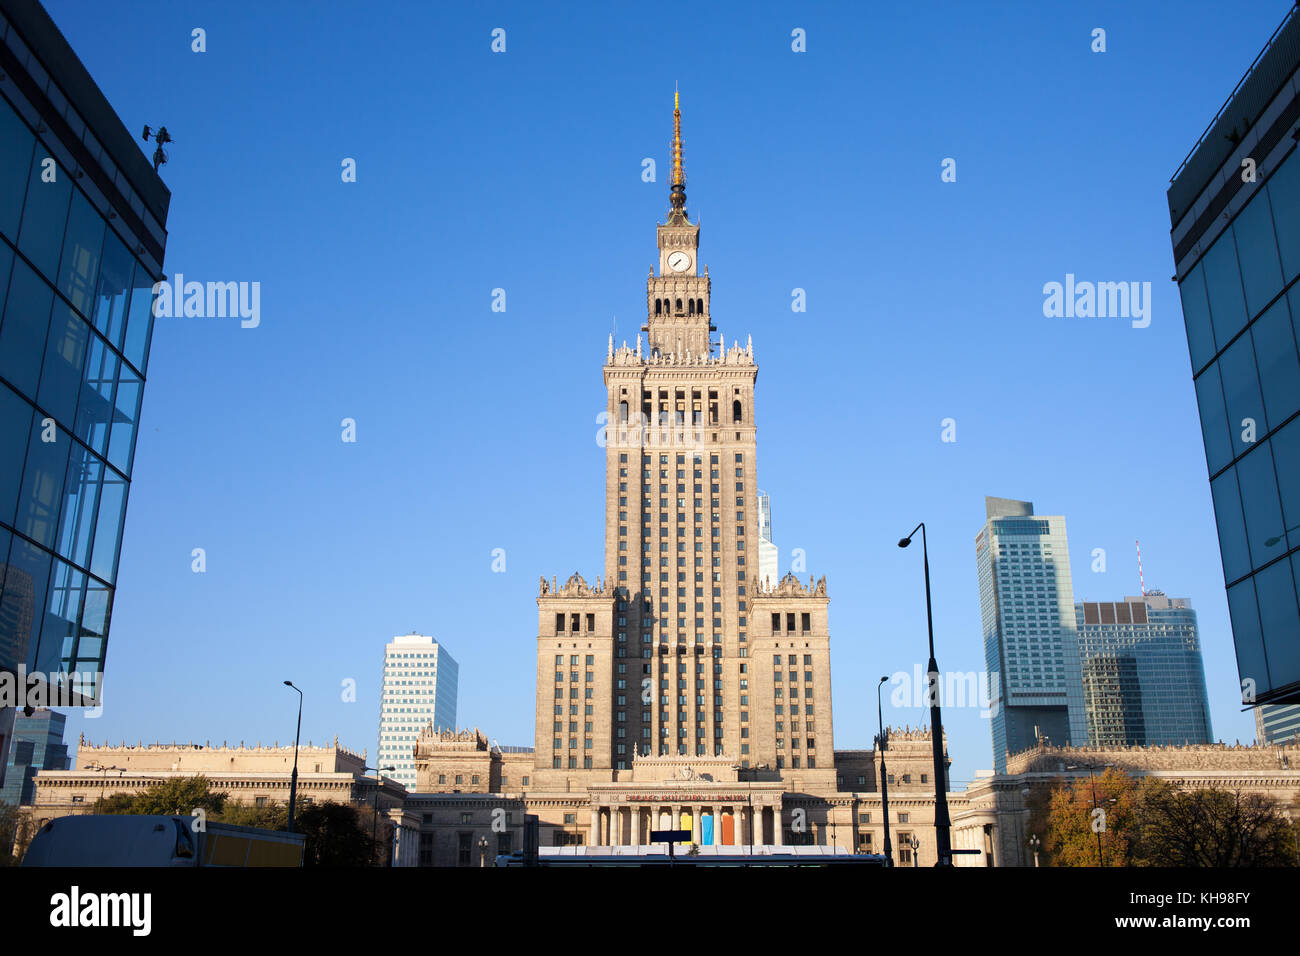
(680, 651)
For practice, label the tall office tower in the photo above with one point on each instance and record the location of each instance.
(37, 745)
(681, 651)
(419, 689)
(1027, 613)
(1277, 723)
(82, 236)
(1143, 676)
(1235, 209)
(767, 549)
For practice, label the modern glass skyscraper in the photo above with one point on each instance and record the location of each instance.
(1027, 613)
(419, 689)
(1235, 208)
(1277, 723)
(82, 236)
(37, 745)
(1143, 676)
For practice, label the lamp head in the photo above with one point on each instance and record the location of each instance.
(904, 542)
(883, 679)
(288, 683)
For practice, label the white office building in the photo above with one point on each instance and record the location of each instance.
(419, 689)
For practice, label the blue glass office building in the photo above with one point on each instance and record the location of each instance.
(1235, 209)
(1143, 675)
(37, 745)
(82, 216)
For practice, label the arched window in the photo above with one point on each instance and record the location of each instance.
(690, 306)
(622, 412)
(679, 305)
(735, 410)
(699, 306)
(658, 305)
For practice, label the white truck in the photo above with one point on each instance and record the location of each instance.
(126, 840)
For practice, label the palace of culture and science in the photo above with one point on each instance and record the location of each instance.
(679, 690)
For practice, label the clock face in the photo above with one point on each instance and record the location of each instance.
(679, 262)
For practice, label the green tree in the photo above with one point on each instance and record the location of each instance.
(274, 816)
(1211, 827)
(336, 835)
(181, 795)
(16, 831)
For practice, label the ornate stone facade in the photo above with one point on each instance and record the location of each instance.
(249, 774)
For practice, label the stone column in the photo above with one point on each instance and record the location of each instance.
(636, 827)
(595, 826)
(776, 825)
(697, 825)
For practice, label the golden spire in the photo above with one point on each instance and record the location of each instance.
(677, 195)
(679, 177)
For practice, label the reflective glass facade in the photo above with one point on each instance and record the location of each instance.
(1277, 723)
(1144, 679)
(1027, 613)
(80, 250)
(1238, 258)
(37, 745)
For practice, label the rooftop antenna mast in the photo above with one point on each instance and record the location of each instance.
(1141, 583)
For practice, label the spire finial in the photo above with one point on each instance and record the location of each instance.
(678, 179)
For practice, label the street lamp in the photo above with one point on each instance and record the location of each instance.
(1101, 856)
(1034, 844)
(942, 824)
(882, 742)
(482, 852)
(293, 779)
(103, 780)
(379, 782)
(915, 844)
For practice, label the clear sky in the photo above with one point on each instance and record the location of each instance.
(522, 171)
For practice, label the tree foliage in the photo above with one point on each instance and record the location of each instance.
(181, 795)
(1215, 828)
(1091, 821)
(337, 834)
(1114, 819)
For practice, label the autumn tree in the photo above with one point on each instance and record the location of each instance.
(1091, 821)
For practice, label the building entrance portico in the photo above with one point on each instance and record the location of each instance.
(702, 795)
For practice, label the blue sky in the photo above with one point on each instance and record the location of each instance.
(522, 171)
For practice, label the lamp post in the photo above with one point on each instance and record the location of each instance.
(379, 782)
(882, 742)
(293, 778)
(103, 780)
(1034, 843)
(1101, 856)
(942, 824)
(915, 844)
(482, 852)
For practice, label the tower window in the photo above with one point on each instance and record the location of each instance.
(735, 411)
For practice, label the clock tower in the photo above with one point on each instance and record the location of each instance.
(677, 299)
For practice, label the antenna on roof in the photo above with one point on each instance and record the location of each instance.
(1141, 584)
